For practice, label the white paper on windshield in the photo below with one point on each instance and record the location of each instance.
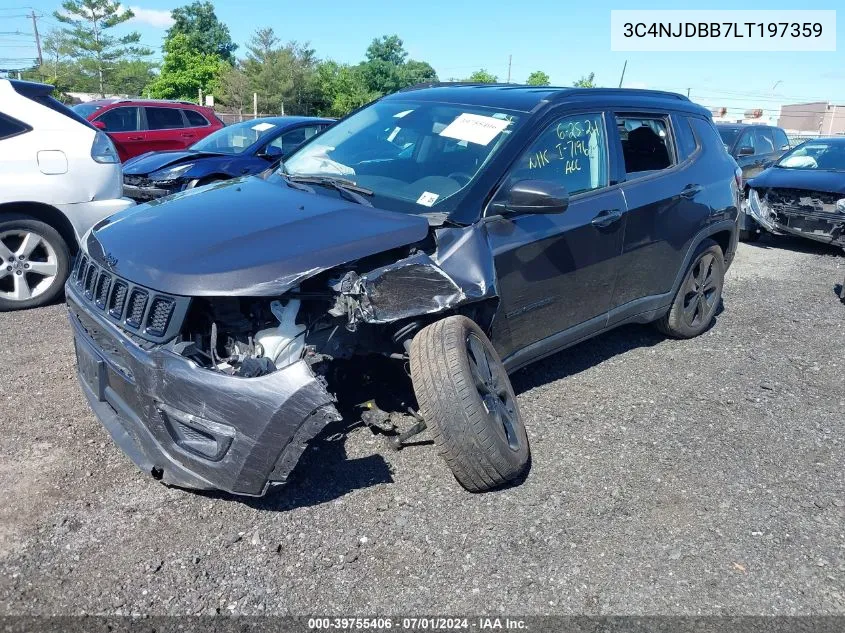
(427, 198)
(263, 127)
(474, 128)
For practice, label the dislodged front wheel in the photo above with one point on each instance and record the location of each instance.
(466, 398)
(34, 263)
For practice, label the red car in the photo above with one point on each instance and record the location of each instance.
(138, 126)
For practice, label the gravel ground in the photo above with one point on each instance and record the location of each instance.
(669, 477)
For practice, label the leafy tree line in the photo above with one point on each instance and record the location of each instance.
(200, 56)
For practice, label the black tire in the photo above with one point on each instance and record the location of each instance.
(695, 303)
(52, 251)
(483, 440)
(748, 236)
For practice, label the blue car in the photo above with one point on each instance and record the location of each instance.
(241, 149)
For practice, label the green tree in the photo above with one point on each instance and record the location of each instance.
(185, 71)
(88, 40)
(206, 34)
(132, 76)
(414, 72)
(386, 70)
(235, 89)
(482, 77)
(586, 81)
(342, 88)
(538, 78)
(387, 48)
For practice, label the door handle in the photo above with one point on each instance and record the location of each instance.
(691, 191)
(606, 218)
(135, 138)
(188, 136)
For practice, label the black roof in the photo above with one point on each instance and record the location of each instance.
(526, 98)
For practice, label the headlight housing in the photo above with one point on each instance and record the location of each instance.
(840, 205)
(170, 173)
(102, 150)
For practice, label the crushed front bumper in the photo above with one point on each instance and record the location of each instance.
(821, 226)
(189, 426)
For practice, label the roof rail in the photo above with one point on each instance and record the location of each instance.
(560, 91)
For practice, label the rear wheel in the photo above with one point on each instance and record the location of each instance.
(699, 296)
(466, 398)
(35, 263)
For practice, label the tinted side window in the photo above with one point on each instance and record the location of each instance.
(195, 119)
(124, 119)
(572, 152)
(707, 135)
(781, 141)
(10, 127)
(289, 141)
(164, 118)
(747, 140)
(763, 142)
(687, 142)
(645, 143)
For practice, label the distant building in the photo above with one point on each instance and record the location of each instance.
(816, 118)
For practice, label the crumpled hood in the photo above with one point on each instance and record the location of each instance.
(244, 237)
(153, 161)
(813, 179)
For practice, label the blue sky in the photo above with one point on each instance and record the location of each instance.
(564, 39)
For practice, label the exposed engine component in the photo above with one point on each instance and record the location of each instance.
(282, 345)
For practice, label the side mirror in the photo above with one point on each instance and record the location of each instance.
(532, 196)
(272, 152)
(99, 125)
(745, 151)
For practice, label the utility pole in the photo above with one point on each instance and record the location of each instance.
(688, 89)
(622, 78)
(510, 59)
(37, 38)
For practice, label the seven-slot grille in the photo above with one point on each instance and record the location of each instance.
(134, 308)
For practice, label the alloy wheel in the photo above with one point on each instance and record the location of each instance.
(491, 383)
(28, 265)
(701, 292)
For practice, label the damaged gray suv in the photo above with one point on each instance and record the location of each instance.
(403, 263)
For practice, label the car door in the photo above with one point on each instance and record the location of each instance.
(166, 129)
(197, 126)
(124, 125)
(663, 193)
(556, 272)
(751, 164)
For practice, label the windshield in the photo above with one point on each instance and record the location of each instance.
(728, 135)
(413, 156)
(235, 138)
(85, 109)
(827, 155)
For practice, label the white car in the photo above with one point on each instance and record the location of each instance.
(59, 175)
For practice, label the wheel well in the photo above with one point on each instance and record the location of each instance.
(48, 215)
(723, 239)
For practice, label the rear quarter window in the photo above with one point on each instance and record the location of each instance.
(10, 127)
(687, 142)
(707, 134)
(195, 119)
